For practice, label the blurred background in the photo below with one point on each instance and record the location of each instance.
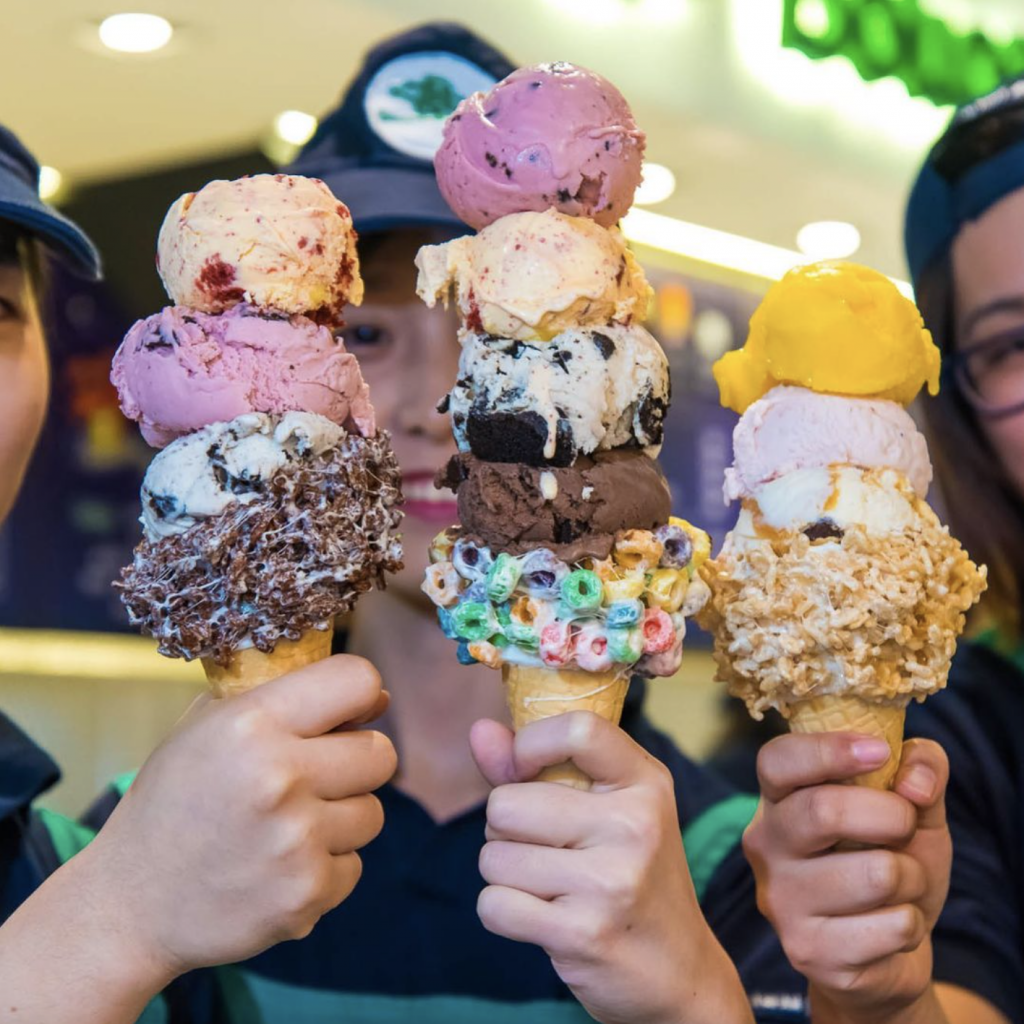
(778, 131)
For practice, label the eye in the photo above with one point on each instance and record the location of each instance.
(365, 336)
(8, 310)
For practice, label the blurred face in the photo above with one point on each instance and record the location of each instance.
(24, 380)
(988, 274)
(409, 357)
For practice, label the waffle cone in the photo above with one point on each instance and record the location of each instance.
(836, 713)
(249, 667)
(536, 693)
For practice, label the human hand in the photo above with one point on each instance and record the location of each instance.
(240, 830)
(856, 922)
(599, 879)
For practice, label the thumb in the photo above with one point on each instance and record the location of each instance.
(922, 778)
(492, 746)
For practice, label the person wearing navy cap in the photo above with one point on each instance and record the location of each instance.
(956, 866)
(201, 863)
(635, 929)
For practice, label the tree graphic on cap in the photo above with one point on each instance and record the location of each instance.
(429, 96)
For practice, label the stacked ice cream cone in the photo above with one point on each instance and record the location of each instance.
(838, 596)
(274, 501)
(566, 572)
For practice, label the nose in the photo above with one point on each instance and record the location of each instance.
(429, 378)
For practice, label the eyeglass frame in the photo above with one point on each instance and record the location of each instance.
(954, 371)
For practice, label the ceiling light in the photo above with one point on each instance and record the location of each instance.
(50, 181)
(657, 185)
(295, 126)
(718, 248)
(828, 239)
(135, 33)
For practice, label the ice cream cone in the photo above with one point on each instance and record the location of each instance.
(249, 667)
(837, 713)
(536, 693)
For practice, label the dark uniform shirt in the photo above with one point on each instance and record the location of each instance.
(979, 721)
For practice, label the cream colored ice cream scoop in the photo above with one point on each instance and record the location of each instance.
(273, 240)
(530, 276)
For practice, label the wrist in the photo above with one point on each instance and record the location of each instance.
(921, 1009)
(709, 989)
(122, 942)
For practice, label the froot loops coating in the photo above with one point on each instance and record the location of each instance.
(626, 611)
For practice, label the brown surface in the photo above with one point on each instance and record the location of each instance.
(322, 532)
(536, 693)
(250, 667)
(501, 502)
(850, 714)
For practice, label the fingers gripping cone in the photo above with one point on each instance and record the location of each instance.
(249, 667)
(836, 713)
(536, 693)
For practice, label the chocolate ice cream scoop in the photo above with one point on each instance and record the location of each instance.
(574, 511)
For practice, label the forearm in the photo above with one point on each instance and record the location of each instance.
(69, 954)
(926, 1009)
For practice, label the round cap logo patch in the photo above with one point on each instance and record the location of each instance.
(409, 98)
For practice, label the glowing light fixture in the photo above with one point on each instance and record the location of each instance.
(295, 126)
(135, 33)
(50, 182)
(717, 248)
(828, 239)
(658, 184)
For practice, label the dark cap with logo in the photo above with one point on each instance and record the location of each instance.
(376, 149)
(20, 205)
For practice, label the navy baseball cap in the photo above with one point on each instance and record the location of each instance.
(20, 204)
(977, 161)
(376, 149)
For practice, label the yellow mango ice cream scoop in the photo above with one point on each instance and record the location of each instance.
(836, 328)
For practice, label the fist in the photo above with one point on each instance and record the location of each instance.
(852, 879)
(241, 829)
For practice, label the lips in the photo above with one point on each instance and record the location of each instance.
(424, 501)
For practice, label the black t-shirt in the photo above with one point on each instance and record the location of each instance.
(979, 721)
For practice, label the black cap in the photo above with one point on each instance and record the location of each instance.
(20, 204)
(376, 149)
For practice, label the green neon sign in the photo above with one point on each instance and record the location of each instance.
(896, 38)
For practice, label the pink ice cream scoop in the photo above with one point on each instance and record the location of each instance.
(179, 370)
(793, 428)
(554, 135)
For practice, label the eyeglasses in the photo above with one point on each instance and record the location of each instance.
(990, 374)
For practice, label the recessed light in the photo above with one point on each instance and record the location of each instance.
(657, 185)
(295, 126)
(135, 33)
(50, 182)
(828, 239)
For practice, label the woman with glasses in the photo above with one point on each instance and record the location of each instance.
(965, 244)
(965, 247)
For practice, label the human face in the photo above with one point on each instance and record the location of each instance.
(988, 282)
(409, 357)
(24, 380)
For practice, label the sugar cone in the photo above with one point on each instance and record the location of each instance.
(835, 713)
(249, 667)
(535, 693)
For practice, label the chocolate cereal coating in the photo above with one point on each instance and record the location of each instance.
(323, 532)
